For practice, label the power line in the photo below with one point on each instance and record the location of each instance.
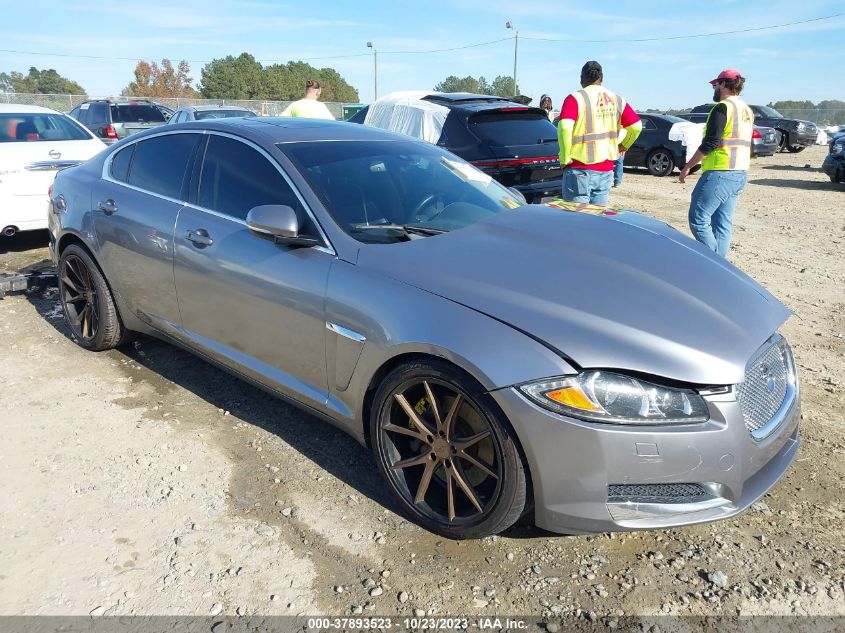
(683, 37)
(465, 46)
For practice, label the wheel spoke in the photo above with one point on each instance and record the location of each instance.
(95, 316)
(416, 460)
(466, 488)
(437, 420)
(452, 415)
(84, 317)
(412, 414)
(430, 467)
(466, 442)
(478, 464)
(68, 283)
(394, 428)
(75, 299)
(450, 493)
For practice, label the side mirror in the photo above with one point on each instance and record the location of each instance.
(280, 223)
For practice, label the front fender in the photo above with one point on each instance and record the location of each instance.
(396, 319)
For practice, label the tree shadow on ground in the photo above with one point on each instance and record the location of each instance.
(328, 447)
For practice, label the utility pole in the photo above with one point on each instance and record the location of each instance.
(509, 25)
(375, 70)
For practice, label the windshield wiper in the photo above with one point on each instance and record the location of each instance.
(402, 228)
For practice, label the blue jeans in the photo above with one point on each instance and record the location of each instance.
(618, 171)
(711, 209)
(586, 185)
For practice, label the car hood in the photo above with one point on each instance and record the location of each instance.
(605, 288)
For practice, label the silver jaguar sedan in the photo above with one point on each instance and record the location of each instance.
(593, 367)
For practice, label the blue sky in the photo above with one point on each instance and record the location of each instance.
(805, 61)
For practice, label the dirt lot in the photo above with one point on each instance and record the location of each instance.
(144, 481)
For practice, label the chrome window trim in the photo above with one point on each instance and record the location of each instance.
(327, 246)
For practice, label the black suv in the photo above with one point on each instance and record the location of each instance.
(793, 135)
(515, 144)
(112, 119)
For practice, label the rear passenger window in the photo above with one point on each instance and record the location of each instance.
(120, 164)
(160, 163)
(236, 177)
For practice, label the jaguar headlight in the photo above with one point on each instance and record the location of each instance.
(837, 149)
(601, 396)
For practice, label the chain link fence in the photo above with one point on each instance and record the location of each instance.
(65, 103)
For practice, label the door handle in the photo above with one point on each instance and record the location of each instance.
(199, 237)
(107, 206)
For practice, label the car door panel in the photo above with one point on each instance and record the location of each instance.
(246, 301)
(252, 304)
(134, 224)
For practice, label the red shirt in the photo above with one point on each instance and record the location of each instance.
(570, 111)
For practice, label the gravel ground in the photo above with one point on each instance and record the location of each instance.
(144, 481)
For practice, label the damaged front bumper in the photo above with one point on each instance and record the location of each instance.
(590, 477)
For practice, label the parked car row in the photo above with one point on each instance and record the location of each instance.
(792, 135)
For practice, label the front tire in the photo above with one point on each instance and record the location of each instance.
(794, 149)
(87, 302)
(446, 451)
(660, 162)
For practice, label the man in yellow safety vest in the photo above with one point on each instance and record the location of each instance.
(588, 135)
(725, 155)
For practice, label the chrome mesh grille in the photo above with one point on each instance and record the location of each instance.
(656, 493)
(764, 388)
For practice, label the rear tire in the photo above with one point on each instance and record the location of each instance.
(446, 452)
(783, 140)
(660, 162)
(794, 149)
(87, 302)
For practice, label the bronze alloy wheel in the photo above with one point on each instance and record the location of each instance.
(87, 302)
(79, 298)
(445, 454)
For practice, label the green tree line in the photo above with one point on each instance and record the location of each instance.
(243, 77)
(501, 86)
(43, 82)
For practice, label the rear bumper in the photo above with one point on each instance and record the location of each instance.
(761, 148)
(583, 473)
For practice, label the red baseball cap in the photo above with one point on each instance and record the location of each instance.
(728, 73)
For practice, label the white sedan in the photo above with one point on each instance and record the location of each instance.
(35, 143)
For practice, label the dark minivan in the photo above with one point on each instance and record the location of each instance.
(112, 120)
(514, 143)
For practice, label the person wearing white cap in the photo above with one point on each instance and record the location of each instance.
(725, 156)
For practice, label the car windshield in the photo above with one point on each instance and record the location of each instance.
(768, 112)
(221, 114)
(136, 113)
(388, 191)
(19, 128)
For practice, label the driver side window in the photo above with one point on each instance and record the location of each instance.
(236, 177)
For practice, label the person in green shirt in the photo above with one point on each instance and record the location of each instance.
(309, 107)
